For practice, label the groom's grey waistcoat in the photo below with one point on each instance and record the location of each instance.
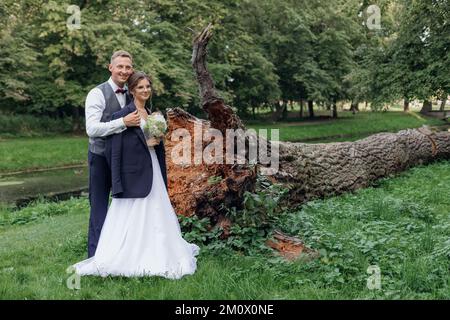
(97, 145)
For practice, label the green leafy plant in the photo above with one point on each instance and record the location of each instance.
(212, 180)
(263, 207)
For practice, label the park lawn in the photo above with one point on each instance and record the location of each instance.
(347, 127)
(401, 225)
(45, 152)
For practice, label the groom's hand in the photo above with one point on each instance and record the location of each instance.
(132, 119)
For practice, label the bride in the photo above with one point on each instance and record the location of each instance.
(141, 235)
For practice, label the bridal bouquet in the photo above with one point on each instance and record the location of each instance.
(155, 128)
(156, 125)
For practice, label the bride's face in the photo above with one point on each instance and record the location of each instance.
(143, 90)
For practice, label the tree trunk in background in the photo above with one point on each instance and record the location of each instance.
(277, 114)
(284, 114)
(311, 108)
(443, 102)
(334, 110)
(427, 106)
(406, 104)
(354, 106)
(308, 170)
(301, 108)
(76, 120)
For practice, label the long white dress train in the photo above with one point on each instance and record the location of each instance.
(142, 237)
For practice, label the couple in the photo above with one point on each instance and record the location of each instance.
(139, 235)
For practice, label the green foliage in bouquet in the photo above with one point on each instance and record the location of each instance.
(156, 125)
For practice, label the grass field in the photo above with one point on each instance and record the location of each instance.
(402, 225)
(45, 152)
(348, 127)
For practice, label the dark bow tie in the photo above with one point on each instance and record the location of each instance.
(120, 90)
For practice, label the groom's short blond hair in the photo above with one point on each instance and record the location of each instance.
(121, 53)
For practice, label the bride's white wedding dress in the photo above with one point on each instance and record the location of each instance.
(142, 237)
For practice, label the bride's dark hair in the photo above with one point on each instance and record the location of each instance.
(134, 79)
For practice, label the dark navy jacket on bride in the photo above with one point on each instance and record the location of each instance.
(130, 161)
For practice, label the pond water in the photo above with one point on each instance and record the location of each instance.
(62, 183)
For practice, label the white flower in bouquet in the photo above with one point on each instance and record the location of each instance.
(156, 125)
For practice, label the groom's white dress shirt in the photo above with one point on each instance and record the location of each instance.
(94, 107)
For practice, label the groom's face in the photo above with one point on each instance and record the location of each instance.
(121, 68)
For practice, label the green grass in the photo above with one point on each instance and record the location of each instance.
(402, 225)
(28, 153)
(347, 127)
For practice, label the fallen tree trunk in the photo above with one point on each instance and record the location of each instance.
(310, 170)
(318, 170)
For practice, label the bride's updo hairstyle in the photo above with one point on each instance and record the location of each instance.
(134, 79)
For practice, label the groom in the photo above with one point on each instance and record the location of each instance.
(101, 103)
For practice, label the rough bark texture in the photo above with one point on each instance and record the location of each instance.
(290, 247)
(318, 170)
(221, 116)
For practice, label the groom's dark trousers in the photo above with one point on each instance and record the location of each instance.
(99, 171)
(99, 189)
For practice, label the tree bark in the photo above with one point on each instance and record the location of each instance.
(427, 106)
(354, 106)
(311, 108)
(301, 108)
(406, 104)
(318, 170)
(334, 109)
(278, 112)
(284, 114)
(443, 102)
(442, 107)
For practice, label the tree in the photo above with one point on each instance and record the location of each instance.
(17, 56)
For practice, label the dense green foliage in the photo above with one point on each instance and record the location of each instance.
(263, 52)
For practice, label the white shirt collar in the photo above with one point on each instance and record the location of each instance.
(114, 86)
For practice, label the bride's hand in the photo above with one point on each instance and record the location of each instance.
(153, 141)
